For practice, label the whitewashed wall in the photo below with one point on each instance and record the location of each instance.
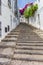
(34, 20)
(7, 18)
(38, 21)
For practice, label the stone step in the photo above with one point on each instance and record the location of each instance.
(11, 43)
(5, 56)
(29, 41)
(13, 34)
(5, 61)
(40, 34)
(31, 52)
(25, 57)
(37, 30)
(28, 32)
(36, 34)
(10, 38)
(30, 44)
(27, 36)
(7, 46)
(31, 32)
(15, 31)
(6, 53)
(30, 48)
(30, 38)
(30, 35)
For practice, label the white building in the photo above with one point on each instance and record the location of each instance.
(37, 20)
(8, 18)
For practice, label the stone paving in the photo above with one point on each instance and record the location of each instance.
(22, 46)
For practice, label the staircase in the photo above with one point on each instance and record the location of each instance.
(22, 46)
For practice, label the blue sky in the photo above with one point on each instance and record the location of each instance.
(22, 3)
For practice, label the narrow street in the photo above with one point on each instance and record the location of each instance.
(22, 46)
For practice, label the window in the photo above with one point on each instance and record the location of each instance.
(35, 18)
(0, 6)
(15, 8)
(8, 27)
(11, 21)
(5, 29)
(38, 0)
(16, 13)
(0, 29)
(9, 3)
(39, 18)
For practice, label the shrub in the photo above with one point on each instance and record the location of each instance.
(36, 7)
(33, 9)
(30, 11)
(26, 13)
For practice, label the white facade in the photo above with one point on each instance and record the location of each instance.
(37, 20)
(7, 18)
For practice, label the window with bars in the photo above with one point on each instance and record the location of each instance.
(0, 29)
(0, 6)
(9, 3)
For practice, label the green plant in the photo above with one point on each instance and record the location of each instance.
(33, 9)
(30, 11)
(36, 7)
(26, 13)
